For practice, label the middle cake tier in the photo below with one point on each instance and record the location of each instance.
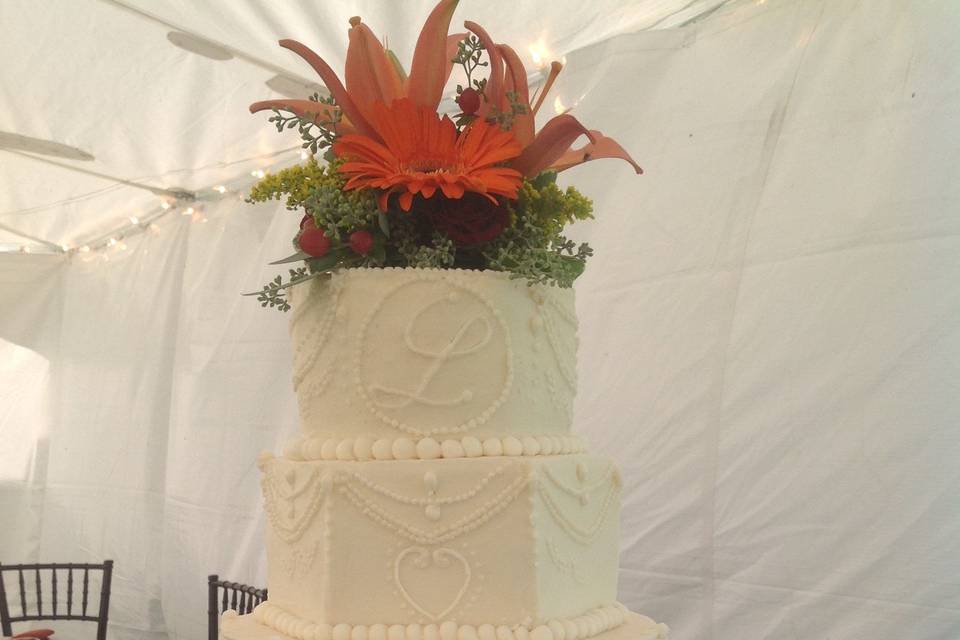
(480, 541)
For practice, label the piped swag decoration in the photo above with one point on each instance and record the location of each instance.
(405, 184)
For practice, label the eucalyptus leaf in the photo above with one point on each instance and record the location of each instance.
(384, 223)
(286, 285)
(296, 257)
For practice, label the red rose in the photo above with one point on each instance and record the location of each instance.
(469, 220)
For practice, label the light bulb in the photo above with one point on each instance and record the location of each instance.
(540, 53)
(220, 189)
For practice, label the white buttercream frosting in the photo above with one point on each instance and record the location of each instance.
(436, 492)
(587, 625)
(432, 354)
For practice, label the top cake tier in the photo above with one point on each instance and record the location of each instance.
(432, 353)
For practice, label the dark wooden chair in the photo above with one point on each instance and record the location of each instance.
(72, 578)
(241, 598)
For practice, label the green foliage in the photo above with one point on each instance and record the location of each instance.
(340, 212)
(274, 292)
(505, 118)
(469, 52)
(316, 133)
(319, 190)
(297, 183)
(533, 246)
(547, 206)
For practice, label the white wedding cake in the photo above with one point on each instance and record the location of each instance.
(437, 491)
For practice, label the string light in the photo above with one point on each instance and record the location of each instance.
(540, 53)
(304, 155)
(141, 223)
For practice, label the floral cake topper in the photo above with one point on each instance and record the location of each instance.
(405, 185)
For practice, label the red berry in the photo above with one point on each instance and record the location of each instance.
(361, 242)
(314, 242)
(469, 100)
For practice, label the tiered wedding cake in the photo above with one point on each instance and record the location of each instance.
(437, 491)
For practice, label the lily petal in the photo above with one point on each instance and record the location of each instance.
(516, 80)
(516, 76)
(333, 84)
(494, 90)
(427, 72)
(603, 147)
(369, 74)
(550, 144)
(318, 112)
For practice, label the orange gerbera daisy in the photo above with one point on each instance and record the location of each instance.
(422, 153)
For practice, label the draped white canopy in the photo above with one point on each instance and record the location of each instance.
(101, 80)
(769, 336)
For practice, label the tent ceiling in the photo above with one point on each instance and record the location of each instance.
(113, 107)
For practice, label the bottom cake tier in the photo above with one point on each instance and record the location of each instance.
(611, 623)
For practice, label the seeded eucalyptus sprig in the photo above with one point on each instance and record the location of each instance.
(326, 128)
(274, 292)
(469, 53)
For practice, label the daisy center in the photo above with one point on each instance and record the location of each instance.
(428, 165)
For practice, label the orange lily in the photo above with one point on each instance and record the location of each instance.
(550, 148)
(373, 74)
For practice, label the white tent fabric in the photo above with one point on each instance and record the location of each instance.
(101, 77)
(769, 337)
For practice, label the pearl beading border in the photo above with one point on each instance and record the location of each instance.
(584, 535)
(423, 502)
(591, 623)
(365, 448)
(462, 526)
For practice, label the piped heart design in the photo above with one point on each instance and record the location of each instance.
(436, 569)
